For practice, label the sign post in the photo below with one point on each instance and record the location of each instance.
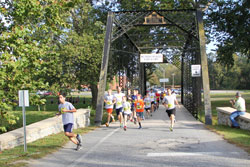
(24, 102)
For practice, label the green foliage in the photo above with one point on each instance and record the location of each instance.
(26, 38)
(224, 77)
(228, 24)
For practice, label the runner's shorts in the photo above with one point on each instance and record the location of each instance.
(139, 114)
(171, 111)
(68, 127)
(118, 110)
(109, 110)
(147, 109)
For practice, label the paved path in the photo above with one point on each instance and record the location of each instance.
(190, 145)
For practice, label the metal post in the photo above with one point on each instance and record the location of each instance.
(204, 67)
(103, 72)
(24, 123)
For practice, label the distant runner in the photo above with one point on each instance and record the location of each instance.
(109, 105)
(139, 107)
(118, 100)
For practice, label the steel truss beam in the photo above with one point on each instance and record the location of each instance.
(193, 28)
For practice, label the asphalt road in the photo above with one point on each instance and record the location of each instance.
(189, 145)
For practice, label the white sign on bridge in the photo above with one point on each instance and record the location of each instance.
(164, 80)
(151, 58)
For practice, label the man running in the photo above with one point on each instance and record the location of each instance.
(139, 107)
(126, 110)
(152, 97)
(158, 95)
(147, 102)
(67, 110)
(118, 100)
(169, 102)
(109, 105)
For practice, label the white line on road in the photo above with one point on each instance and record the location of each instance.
(75, 163)
(174, 154)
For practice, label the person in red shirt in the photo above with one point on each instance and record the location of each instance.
(139, 108)
(158, 95)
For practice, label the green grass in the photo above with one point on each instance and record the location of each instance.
(16, 157)
(238, 137)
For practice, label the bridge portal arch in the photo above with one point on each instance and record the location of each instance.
(178, 35)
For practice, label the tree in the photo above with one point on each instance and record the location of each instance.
(29, 29)
(228, 24)
(81, 49)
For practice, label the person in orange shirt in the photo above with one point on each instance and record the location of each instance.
(139, 108)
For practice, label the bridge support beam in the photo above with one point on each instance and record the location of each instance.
(103, 72)
(204, 68)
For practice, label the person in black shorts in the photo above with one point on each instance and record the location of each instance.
(169, 102)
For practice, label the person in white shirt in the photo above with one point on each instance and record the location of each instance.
(152, 97)
(147, 102)
(169, 102)
(118, 103)
(109, 105)
(240, 106)
(126, 110)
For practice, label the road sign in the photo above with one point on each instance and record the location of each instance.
(24, 102)
(196, 70)
(23, 96)
(164, 80)
(151, 58)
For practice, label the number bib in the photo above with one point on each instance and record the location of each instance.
(170, 105)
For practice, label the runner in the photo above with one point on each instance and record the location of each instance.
(67, 110)
(118, 100)
(139, 107)
(147, 102)
(126, 111)
(130, 100)
(134, 98)
(169, 102)
(152, 97)
(158, 95)
(109, 105)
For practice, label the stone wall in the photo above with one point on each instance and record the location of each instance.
(223, 114)
(41, 129)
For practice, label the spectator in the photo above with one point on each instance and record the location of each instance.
(240, 107)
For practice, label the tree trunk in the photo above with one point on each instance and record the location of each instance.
(94, 92)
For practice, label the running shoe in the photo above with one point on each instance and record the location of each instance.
(113, 120)
(139, 127)
(134, 120)
(78, 147)
(125, 128)
(107, 125)
(171, 129)
(79, 138)
(121, 125)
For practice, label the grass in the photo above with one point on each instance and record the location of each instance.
(238, 137)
